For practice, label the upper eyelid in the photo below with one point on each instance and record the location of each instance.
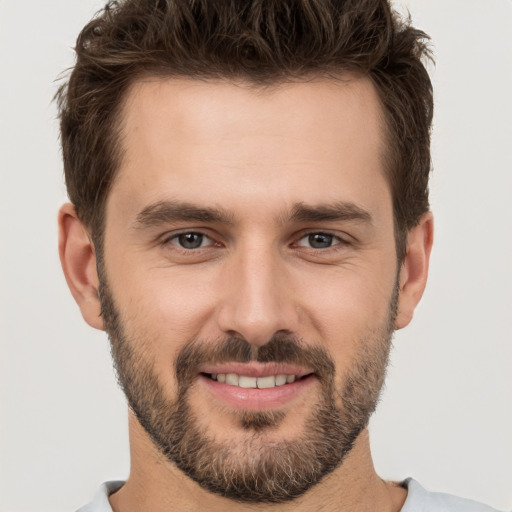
(343, 236)
(171, 240)
(337, 239)
(165, 237)
(215, 237)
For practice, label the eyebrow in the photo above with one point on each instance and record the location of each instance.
(341, 211)
(165, 212)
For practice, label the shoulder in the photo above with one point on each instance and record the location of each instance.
(421, 500)
(100, 501)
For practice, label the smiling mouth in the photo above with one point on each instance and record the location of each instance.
(248, 382)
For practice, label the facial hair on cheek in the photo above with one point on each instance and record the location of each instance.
(254, 470)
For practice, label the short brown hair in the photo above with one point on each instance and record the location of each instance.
(259, 41)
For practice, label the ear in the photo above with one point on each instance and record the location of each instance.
(78, 260)
(414, 270)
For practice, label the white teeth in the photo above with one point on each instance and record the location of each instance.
(232, 379)
(247, 382)
(244, 381)
(281, 379)
(267, 382)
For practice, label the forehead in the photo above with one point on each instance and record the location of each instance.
(313, 141)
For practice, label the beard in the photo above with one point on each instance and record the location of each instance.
(258, 470)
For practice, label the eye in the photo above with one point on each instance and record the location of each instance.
(190, 240)
(319, 240)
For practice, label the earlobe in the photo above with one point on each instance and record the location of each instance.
(414, 270)
(78, 260)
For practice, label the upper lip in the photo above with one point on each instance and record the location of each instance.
(255, 369)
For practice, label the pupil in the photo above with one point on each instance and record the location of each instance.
(191, 240)
(320, 240)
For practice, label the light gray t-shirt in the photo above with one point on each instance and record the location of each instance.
(418, 500)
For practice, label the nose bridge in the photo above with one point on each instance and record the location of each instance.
(257, 302)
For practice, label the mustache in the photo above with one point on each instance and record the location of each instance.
(281, 348)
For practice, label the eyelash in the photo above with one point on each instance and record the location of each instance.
(336, 241)
(175, 237)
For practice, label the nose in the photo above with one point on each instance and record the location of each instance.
(257, 299)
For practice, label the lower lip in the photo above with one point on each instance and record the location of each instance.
(255, 399)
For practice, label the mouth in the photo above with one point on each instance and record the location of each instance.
(256, 386)
(248, 382)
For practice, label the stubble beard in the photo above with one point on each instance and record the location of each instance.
(256, 470)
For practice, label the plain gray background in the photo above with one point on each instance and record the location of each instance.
(445, 417)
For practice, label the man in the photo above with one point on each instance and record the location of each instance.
(249, 223)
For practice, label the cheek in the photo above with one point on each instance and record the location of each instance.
(164, 309)
(349, 309)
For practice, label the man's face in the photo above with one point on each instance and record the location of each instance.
(249, 277)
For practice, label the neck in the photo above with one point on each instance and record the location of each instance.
(158, 485)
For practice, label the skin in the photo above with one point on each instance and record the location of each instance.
(256, 154)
